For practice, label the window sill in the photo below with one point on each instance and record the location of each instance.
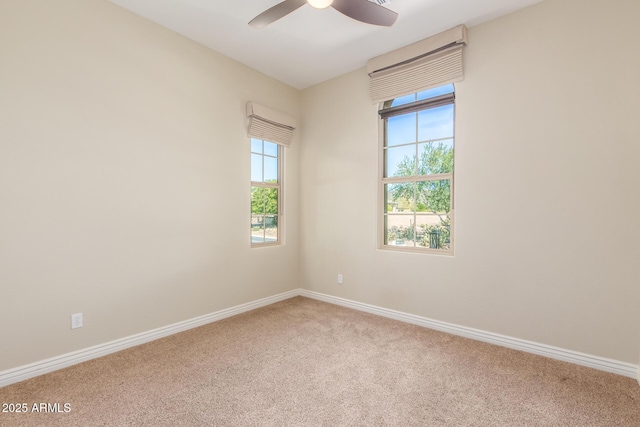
(415, 250)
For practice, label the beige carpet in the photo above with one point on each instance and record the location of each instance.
(304, 362)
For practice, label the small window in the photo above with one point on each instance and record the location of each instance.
(266, 192)
(417, 171)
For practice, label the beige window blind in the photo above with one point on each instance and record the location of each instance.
(270, 125)
(426, 64)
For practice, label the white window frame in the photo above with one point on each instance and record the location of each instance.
(277, 185)
(382, 203)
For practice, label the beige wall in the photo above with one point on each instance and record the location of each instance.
(124, 175)
(124, 179)
(547, 207)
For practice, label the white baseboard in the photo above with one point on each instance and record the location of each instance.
(24, 372)
(600, 363)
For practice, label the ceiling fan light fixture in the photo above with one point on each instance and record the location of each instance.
(367, 11)
(320, 4)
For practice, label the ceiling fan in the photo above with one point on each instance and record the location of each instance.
(361, 10)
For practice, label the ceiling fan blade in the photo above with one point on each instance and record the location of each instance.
(276, 12)
(365, 11)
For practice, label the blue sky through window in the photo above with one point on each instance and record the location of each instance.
(425, 94)
(435, 123)
(264, 161)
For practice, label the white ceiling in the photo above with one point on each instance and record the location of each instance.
(309, 45)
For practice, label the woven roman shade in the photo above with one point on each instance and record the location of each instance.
(270, 125)
(426, 64)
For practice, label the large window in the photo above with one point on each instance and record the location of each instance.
(417, 171)
(266, 192)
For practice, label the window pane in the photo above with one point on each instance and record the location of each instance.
(270, 149)
(401, 129)
(435, 157)
(433, 231)
(271, 201)
(399, 197)
(436, 91)
(400, 161)
(256, 167)
(435, 123)
(257, 229)
(433, 196)
(399, 230)
(270, 169)
(256, 145)
(264, 200)
(264, 215)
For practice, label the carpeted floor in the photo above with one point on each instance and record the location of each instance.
(304, 362)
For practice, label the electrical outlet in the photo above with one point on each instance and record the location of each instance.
(76, 320)
(340, 279)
